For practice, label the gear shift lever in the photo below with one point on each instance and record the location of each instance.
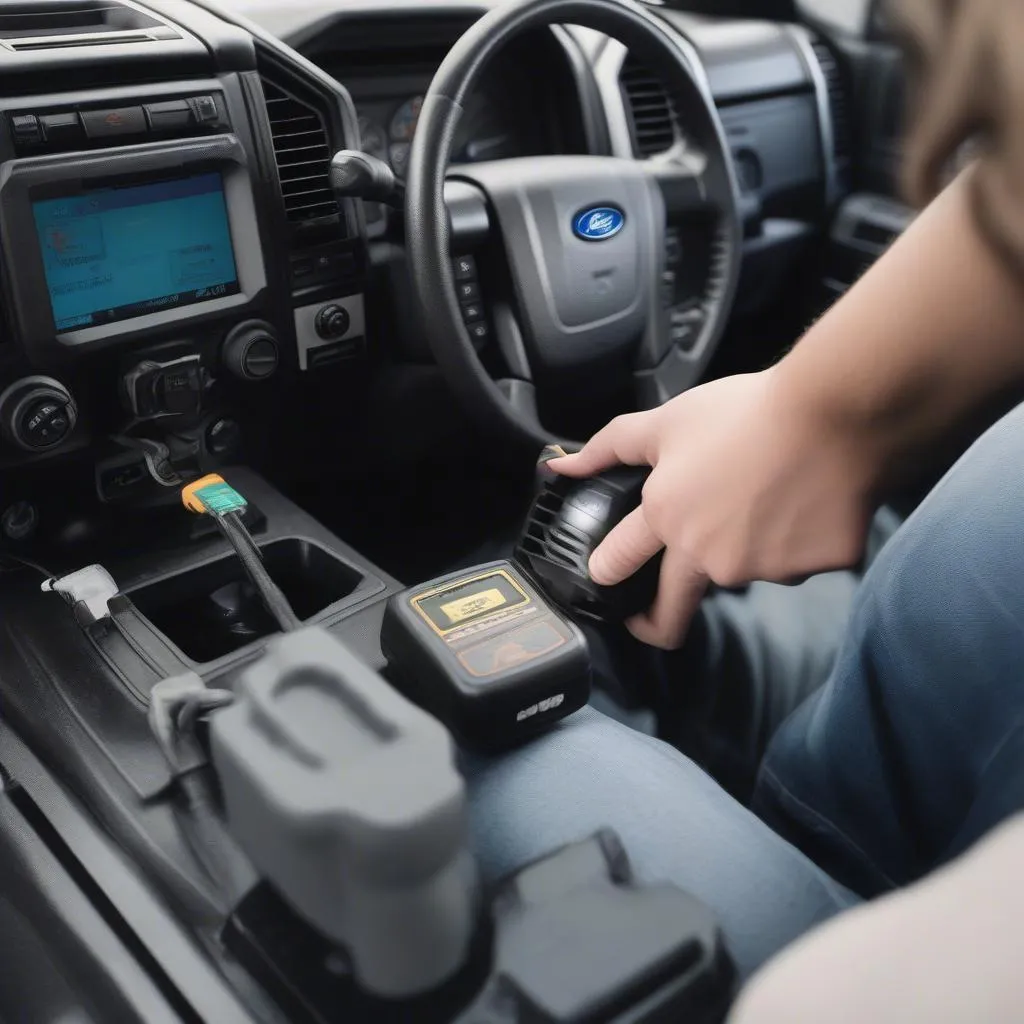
(357, 175)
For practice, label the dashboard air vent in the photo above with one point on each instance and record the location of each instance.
(56, 24)
(653, 116)
(838, 104)
(302, 150)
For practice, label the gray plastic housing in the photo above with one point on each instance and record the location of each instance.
(346, 797)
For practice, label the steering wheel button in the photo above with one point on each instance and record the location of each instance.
(684, 335)
(472, 311)
(465, 268)
(469, 291)
(479, 331)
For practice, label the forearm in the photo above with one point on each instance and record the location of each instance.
(933, 330)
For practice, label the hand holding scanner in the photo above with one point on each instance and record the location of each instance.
(568, 520)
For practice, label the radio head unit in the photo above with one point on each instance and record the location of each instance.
(109, 245)
(117, 253)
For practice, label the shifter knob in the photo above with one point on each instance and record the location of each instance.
(357, 175)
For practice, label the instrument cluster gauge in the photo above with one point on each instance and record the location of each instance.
(401, 132)
(374, 141)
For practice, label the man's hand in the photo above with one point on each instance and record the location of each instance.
(744, 486)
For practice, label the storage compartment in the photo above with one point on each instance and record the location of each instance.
(211, 611)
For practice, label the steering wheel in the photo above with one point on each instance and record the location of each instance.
(583, 236)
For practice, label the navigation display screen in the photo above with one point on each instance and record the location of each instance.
(118, 253)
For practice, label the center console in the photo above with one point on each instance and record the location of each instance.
(296, 848)
(79, 694)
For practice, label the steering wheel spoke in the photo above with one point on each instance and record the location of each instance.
(509, 338)
(522, 396)
(683, 185)
(469, 223)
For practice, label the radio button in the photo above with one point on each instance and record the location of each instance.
(37, 413)
(26, 130)
(172, 115)
(332, 322)
(205, 109)
(44, 424)
(100, 124)
(63, 129)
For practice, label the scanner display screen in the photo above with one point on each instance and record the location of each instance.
(117, 253)
(469, 601)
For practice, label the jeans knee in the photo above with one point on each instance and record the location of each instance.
(927, 682)
(950, 585)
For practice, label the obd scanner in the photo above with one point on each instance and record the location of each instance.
(486, 653)
(486, 650)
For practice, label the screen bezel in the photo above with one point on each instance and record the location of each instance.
(47, 177)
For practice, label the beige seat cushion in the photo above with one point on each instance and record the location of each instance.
(948, 949)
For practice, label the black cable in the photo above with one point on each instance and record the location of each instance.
(252, 561)
(26, 563)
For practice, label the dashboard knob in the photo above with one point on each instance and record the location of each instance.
(250, 351)
(37, 413)
(333, 322)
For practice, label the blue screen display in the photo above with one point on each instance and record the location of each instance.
(123, 252)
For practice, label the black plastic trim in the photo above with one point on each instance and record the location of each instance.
(193, 977)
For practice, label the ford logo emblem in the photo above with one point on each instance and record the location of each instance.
(598, 223)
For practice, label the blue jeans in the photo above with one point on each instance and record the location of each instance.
(912, 749)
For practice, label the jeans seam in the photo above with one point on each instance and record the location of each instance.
(769, 776)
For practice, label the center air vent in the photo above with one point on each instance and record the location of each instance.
(652, 113)
(302, 150)
(55, 24)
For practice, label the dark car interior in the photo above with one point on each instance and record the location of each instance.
(199, 276)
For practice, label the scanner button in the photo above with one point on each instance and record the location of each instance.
(593, 503)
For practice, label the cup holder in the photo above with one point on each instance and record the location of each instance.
(212, 610)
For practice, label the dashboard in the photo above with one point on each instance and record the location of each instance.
(175, 260)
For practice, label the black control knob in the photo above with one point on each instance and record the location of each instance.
(20, 520)
(250, 351)
(37, 413)
(333, 322)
